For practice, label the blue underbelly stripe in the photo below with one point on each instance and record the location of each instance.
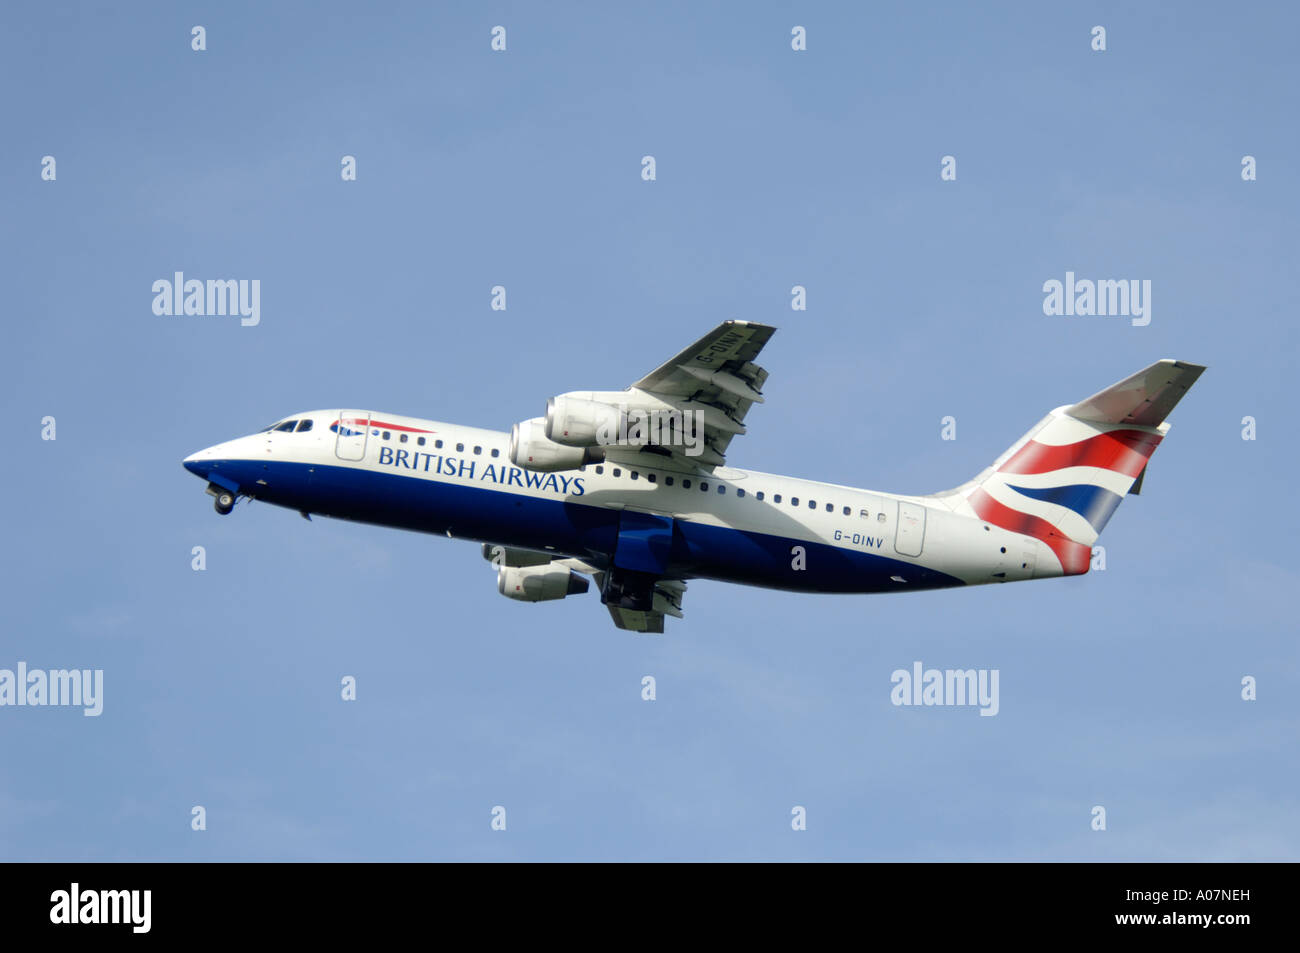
(570, 528)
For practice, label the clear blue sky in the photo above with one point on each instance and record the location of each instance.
(775, 168)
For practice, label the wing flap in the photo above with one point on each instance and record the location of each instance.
(634, 620)
(666, 601)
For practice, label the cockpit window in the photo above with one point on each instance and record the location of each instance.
(287, 426)
(304, 425)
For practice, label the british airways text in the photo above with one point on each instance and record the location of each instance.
(500, 474)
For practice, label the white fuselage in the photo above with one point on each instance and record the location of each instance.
(733, 524)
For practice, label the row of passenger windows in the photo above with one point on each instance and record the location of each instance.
(722, 490)
(618, 472)
(437, 444)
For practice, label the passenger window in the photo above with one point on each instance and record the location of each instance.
(497, 453)
(600, 469)
(794, 501)
(387, 435)
(287, 426)
(460, 448)
(759, 494)
(634, 474)
(740, 492)
(650, 477)
(419, 441)
(830, 508)
(704, 487)
(668, 481)
(686, 484)
(437, 444)
(721, 489)
(777, 498)
(847, 511)
(478, 450)
(617, 472)
(304, 426)
(880, 517)
(812, 504)
(402, 438)
(864, 514)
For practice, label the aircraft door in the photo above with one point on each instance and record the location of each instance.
(909, 536)
(352, 428)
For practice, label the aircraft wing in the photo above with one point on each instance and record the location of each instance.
(716, 377)
(666, 599)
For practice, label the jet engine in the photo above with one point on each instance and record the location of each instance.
(575, 422)
(539, 583)
(530, 449)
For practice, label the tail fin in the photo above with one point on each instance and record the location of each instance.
(1061, 482)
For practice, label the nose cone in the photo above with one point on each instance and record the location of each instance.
(198, 463)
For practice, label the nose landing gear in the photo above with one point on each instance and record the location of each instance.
(223, 500)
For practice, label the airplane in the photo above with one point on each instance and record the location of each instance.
(632, 489)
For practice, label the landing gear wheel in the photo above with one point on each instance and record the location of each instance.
(224, 503)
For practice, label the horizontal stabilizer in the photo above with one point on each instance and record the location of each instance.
(1144, 399)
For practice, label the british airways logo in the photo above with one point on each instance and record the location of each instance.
(349, 427)
(500, 474)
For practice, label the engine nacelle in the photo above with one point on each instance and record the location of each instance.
(539, 583)
(530, 449)
(575, 422)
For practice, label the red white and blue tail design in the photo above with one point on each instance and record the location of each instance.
(1063, 480)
